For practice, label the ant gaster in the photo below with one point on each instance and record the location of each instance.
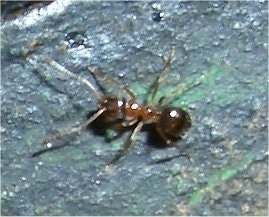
(170, 122)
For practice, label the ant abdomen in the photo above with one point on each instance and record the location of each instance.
(114, 108)
(173, 122)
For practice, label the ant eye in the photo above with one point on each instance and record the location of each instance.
(174, 122)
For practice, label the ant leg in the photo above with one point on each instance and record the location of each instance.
(169, 142)
(120, 128)
(164, 73)
(124, 124)
(80, 79)
(67, 132)
(183, 89)
(129, 123)
(164, 137)
(108, 80)
(127, 144)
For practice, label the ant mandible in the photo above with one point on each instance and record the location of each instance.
(170, 122)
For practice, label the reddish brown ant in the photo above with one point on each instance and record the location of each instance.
(170, 122)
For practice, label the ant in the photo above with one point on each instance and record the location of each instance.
(171, 123)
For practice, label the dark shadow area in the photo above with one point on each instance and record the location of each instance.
(154, 140)
(100, 126)
(13, 9)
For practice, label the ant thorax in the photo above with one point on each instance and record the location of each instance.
(120, 109)
(140, 112)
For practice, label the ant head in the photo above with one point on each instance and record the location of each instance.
(114, 108)
(174, 122)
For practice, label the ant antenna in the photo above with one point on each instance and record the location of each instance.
(96, 73)
(183, 89)
(64, 71)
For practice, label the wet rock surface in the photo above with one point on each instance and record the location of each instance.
(225, 41)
